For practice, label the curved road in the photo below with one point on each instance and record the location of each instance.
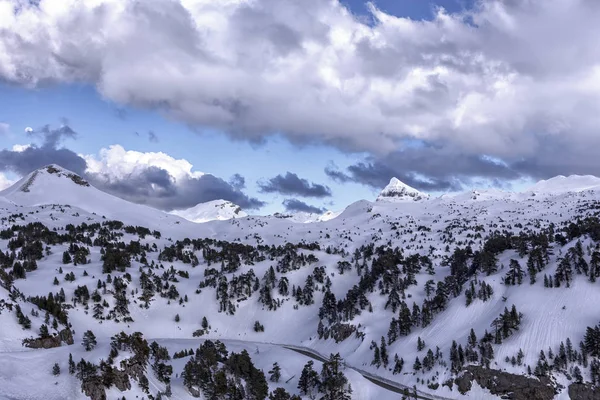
(308, 352)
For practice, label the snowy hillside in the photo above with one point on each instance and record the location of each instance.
(210, 211)
(479, 295)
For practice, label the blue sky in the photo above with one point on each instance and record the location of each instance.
(339, 102)
(100, 123)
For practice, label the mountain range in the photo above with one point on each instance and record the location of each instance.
(482, 294)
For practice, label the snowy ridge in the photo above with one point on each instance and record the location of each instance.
(219, 210)
(564, 184)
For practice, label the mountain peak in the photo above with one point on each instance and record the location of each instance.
(51, 170)
(397, 190)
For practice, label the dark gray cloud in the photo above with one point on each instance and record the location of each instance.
(37, 156)
(295, 205)
(428, 168)
(291, 184)
(155, 187)
(237, 181)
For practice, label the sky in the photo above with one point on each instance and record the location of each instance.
(282, 105)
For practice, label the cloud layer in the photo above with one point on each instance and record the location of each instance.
(291, 184)
(295, 205)
(512, 80)
(155, 179)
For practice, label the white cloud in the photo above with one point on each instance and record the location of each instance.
(20, 147)
(28, 129)
(511, 79)
(5, 182)
(116, 163)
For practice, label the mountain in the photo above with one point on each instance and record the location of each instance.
(210, 211)
(307, 218)
(564, 184)
(398, 191)
(486, 296)
(55, 185)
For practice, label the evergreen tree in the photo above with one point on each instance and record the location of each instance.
(417, 365)
(398, 364)
(89, 340)
(383, 352)
(275, 373)
(333, 381)
(56, 369)
(71, 364)
(420, 344)
(309, 382)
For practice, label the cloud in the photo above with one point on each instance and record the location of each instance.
(159, 180)
(5, 182)
(155, 179)
(20, 147)
(514, 80)
(291, 184)
(295, 205)
(23, 159)
(152, 137)
(429, 169)
(237, 181)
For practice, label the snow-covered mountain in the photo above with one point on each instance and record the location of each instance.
(413, 295)
(210, 211)
(564, 184)
(398, 191)
(307, 218)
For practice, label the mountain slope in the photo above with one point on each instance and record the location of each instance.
(408, 278)
(210, 211)
(56, 185)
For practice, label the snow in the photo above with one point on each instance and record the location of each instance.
(397, 190)
(550, 315)
(219, 210)
(564, 184)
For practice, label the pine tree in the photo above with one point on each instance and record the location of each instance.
(420, 344)
(275, 373)
(56, 369)
(398, 364)
(383, 352)
(417, 364)
(334, 383)
(89, 340)
(71, 364)
(44, 331)
(309, 382)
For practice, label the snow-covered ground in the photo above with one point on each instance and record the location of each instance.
(429, 226)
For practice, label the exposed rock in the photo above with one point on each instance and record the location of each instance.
(64, 336)
(94, 389)
(509, 386)
(583, 391)
(121, 380)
